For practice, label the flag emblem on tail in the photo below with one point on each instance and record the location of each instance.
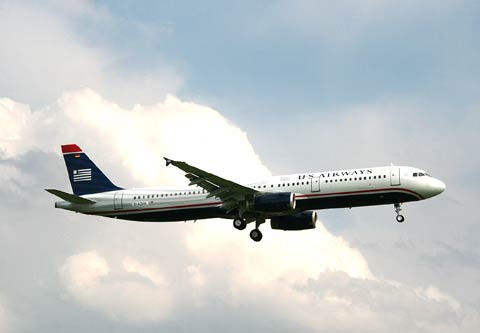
(82, 175)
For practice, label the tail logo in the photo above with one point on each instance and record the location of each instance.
(82, 175)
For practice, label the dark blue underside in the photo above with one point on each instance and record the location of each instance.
(370, 199)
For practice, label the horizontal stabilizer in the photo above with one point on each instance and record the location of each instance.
(70, 197)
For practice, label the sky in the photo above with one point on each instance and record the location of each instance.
(243, 89)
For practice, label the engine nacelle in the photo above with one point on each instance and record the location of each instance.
(299, 221)
(273, 202)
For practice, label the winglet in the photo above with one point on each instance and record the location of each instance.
(167, 161)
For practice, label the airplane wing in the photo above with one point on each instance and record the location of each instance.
(231, 193)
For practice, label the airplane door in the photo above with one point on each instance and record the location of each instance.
(394, 175)
(315, 184)
(118, 200)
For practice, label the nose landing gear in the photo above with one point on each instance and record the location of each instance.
(398, 209)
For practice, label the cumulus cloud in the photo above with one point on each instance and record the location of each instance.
(6, 319)
(318, 280)
(90, 280)
(43, 55)
(132, 137)
(291, 275)
(136, 138)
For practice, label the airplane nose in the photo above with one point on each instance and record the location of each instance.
(437, 186)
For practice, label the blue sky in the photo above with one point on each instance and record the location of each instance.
(241, 89)
(257, 51)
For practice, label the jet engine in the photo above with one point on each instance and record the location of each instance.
(299, 221)
(272, 202)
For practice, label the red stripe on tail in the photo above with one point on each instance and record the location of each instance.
(67, 149)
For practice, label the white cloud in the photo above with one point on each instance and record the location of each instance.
(91, 281)
(136, 138)
(6, 318)
(318, 280)
(432, 293)
(294, 275)
(288, 256)
(43, 55)
(150, 272)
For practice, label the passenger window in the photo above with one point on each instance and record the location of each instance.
(415, 174)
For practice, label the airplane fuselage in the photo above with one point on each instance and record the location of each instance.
(313, 191)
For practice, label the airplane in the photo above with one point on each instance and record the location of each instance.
(288, 201)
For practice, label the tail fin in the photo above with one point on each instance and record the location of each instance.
(85, 177)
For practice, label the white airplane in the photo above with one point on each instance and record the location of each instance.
(288, 201)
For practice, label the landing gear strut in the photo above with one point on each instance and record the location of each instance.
(398, 208)
(239, 223)
(256, 234)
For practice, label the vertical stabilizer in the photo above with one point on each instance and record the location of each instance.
(85, 177)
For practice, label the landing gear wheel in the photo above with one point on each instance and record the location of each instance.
(256, 235)
(239, 224)
(398, 209)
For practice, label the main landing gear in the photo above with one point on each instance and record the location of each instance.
(239, 223)
(398, 208)
(255, 234)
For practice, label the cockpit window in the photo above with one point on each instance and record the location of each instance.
(420, 174)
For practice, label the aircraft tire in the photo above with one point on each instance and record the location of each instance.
(239, 224)
(256, 235)
(400, 218)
